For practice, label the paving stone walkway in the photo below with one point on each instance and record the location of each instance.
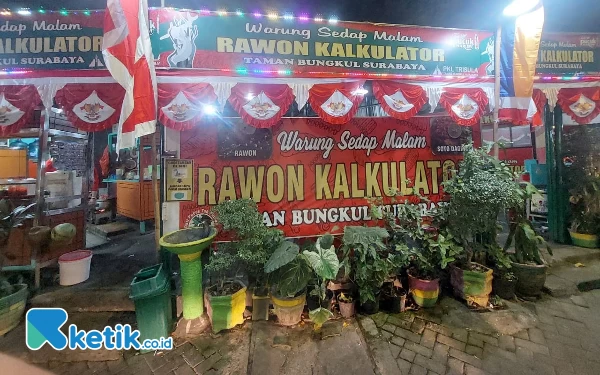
(552, 336)
(559, 337)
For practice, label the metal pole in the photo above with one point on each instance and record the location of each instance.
(496, 88)
(156, 188)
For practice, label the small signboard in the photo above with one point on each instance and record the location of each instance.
(180, 175)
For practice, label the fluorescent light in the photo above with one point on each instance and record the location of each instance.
(249, 96)
(360, 91)
(518, 7)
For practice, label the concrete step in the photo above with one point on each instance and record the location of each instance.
(86, 300)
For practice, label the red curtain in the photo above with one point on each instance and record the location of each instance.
(17, 107)
(539, 98)
(399, 100)
(261, 105)
(465, 105)
(181, 105)
(582, 104)
(91, 107)
(336, 103)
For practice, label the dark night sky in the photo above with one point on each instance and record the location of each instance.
(561, 15)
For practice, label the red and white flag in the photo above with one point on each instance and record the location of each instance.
(128, 56)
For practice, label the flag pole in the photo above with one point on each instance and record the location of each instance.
(155, 188)
(496, 89)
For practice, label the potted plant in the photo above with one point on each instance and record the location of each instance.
(481, 188)
(325, 265)
(585, 213)
(253, 244)
(12, 296)
(527, 264)
(289, 274)
(225, 297)
(504, 284)
(346, 304)
(371, 263)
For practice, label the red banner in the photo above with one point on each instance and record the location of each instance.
(310, 177)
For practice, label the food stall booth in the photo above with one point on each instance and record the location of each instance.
(307, 116)
(310, 116)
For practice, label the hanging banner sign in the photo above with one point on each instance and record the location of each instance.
(51, 41)
(179, 179)
(185, 39)
(309, 177)
(560, 55)
(566, 54)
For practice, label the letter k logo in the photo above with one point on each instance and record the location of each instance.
(43, 325)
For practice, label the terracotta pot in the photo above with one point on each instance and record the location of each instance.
(346, 309)
(289, 310)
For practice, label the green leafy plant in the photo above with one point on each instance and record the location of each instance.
(252, 243)
(325, 264)
(585, 206)
(372, 264)
(288, 270)
(478, 191)
(527, 242)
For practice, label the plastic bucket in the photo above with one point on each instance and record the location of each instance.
(74, 267)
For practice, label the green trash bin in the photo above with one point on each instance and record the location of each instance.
(150, 292)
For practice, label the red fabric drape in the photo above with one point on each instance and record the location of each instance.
(254, 102)
(15, 98)
(85, 111)
(539, 98)
(569, 97)
(183, 113)
(451, 97)
(319, 94)
(414, 95)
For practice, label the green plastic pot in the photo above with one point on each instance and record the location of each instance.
(591, 241)
(226, 312)
(12, 308)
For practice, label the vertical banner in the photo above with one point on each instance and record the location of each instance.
(520, 44)
(309, 177)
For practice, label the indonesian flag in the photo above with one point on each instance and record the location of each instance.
(519, 46)
(128, 56)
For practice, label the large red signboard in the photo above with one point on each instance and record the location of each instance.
(309, 177)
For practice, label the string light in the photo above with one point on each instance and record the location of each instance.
(86, 12)
(64, 12)
(272, 15)
(42, 10)
(257, 15)
(288, 16)
(303, 17)
(24, 12)
(318, 18)
(222, 12)
(5, 12)
(333, 20)
(239, 13)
